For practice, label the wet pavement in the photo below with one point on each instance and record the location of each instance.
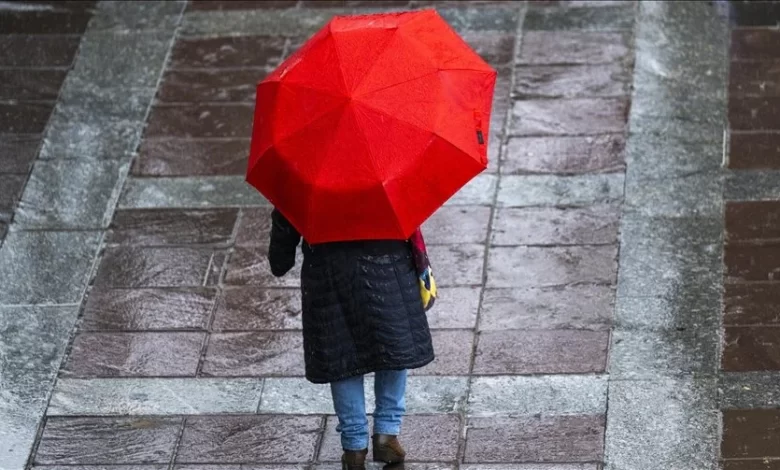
(609, 297)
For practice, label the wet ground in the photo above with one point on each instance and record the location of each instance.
(610, 294)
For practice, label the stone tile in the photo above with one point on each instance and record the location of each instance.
(453, 350)
(32, 343)
(752, 221)
(379, 466)
(754, 44)
(750, 434)
(617, 17)
(666, 256)
(96, 123)
(541, 190)
(478, 192)
(172, 227)
(571, 116)
(751, 262)
(472, 18)
(32, 85)
(549, 395)
(497, 49)
(584, 307)
(457, 224)
(68, 194)
(754, 113)
(457, 265)
(249, 439)
(148, 309)
(646, 354)
(352, 3)
(425, 439)
(232, 51)
(763, 464)
(754, 150)
(206, 120)
(24, 117)
(250, 308)
(154, 267)
(564, 155)
(17, 152)
(532, 466)
(749, 185)
(175, 193)
(255, 354)
(755, 13)
(425, 395)
(122, 397)
(652, 157)
(254, 228)
(104, 467)
(535, 439)
(3, 230)
(38, 50)
(681, 130)
(681, 310)
(238, 4)
(87, 441)
(272, 22)
(749, 390)
(46, 267)
(134, 354)
(754, 78)
(751, 348)
(212, 85)
(188, 157)
(751, 304)
(43, 22)
(595, 225)
(538, 352)
(573, 47)
(10, 189)
(456, 308)
(138, 66)
(666, 423)
(551, 266)
(685, 103)
(137, 16)
(571, 81)
(250, 266)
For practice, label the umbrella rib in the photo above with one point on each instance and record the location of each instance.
(338, 57)
(376, 60)
(376, 172)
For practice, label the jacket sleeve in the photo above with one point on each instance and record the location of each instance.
(284, 243)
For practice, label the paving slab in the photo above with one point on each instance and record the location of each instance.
(144, 397)
(32, 345)
(86, 193)
(137, 16)
(213, 191)
(747, 390)
(46, 267)
(541, 190)
(532, 395)
(669, 423)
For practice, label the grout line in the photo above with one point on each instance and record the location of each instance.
(177, 444)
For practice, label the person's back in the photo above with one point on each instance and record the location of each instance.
(362, 313)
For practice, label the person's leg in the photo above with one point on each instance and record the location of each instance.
(350, 404)
(390, 390)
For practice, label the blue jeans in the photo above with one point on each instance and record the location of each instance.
(350, 404)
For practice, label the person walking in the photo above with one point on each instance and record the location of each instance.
(364, 311)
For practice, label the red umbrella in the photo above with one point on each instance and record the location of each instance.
(371, 126)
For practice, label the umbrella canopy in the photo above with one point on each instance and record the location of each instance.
(371, 126)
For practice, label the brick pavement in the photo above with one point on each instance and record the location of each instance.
(582, 278)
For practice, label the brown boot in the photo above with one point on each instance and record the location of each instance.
(387, 449)
(354, 460)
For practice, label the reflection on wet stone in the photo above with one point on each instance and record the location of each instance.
(172, 227)
(453, 353)
(147, 309)
(457, 224)
(251, 308)
(249, 266)
(255, 354)
(206, 120)
(595, 225)
(458, 265)
(574, 116)
(564, 155)
(573, 47)
(249, 439)
(254, 228)
(134, 354)
(617, 17)
(186, 157)
(88, 441)
(567, 81)
(154, 267)
(238, 51)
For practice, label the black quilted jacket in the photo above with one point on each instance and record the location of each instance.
(361, 305)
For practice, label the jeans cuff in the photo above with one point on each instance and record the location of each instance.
(389, 430)
(355, 444)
